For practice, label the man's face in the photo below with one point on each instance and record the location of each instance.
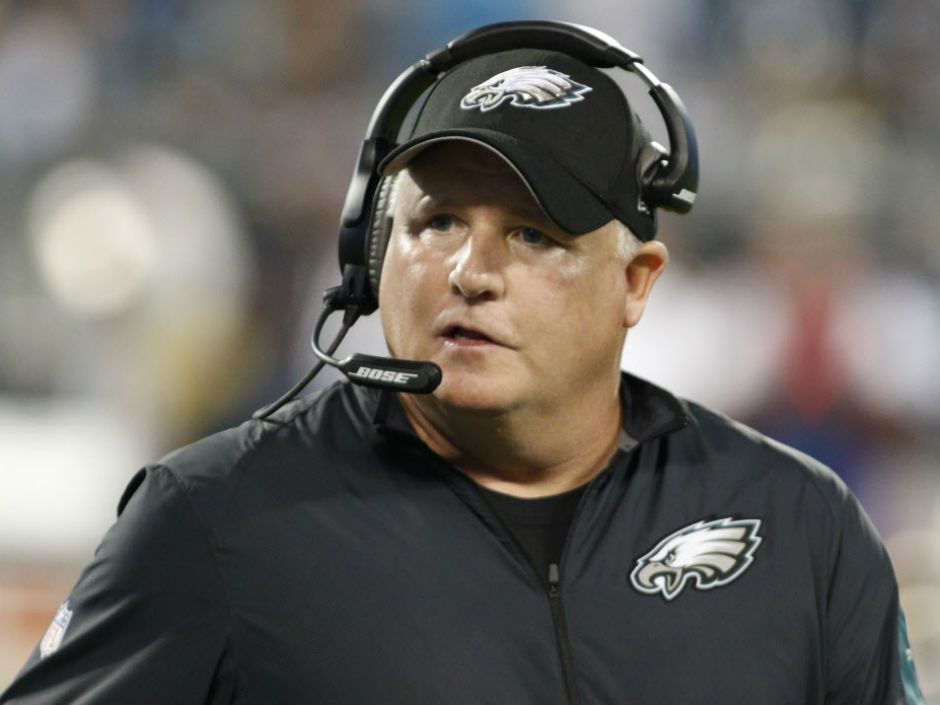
(477, 279)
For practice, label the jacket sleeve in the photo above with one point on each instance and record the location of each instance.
(148, 620)
(867, 658)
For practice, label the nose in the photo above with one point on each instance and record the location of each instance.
(477, 271)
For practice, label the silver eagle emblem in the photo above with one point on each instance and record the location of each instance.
(525, 87)
(708, 554)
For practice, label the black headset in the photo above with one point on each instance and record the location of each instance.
(668, 179)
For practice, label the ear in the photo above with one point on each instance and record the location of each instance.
(642, 271)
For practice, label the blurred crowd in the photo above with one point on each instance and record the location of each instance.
(171, 176)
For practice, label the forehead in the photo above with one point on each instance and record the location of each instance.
(467, 173)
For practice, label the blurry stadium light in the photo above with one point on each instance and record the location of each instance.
(93, 239)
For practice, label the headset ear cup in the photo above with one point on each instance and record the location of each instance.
(380, 226)
(649, 163)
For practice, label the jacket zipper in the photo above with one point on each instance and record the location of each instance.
(561, 634)
(558, 612)
(554, 581)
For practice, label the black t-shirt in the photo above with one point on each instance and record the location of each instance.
(539, 524)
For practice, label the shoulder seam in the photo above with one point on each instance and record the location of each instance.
(213, 549)
(810, 481)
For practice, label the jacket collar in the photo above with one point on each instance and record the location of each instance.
(649, 411)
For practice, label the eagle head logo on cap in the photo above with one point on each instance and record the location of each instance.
(525, 87)
(709, 554)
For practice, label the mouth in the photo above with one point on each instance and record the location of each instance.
(462, 336)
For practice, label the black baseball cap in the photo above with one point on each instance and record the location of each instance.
(564, 126)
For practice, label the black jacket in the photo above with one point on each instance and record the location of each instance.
(327, 556)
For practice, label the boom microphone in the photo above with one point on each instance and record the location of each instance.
(412, 376)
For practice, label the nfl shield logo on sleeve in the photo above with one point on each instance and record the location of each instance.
(56, 631)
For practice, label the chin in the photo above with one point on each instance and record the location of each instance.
(476, 392)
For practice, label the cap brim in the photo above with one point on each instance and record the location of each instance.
(561, 195)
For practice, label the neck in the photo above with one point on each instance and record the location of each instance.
(523, 452)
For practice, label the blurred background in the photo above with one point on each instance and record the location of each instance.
(171, 177)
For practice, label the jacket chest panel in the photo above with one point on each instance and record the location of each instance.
(704, 646)
(385, 606)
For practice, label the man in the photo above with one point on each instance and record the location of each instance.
(541, 529)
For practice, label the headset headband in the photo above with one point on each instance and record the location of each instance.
(670, 183)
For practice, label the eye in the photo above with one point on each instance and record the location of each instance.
(670, 557)
(442, 222)
(534, 238)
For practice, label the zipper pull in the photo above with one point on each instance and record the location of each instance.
(553, 580)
